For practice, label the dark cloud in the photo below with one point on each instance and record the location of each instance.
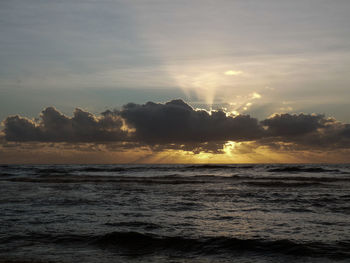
(21, 129)
(176, 125)
(345, 131)
(177, 122)
(195, 147)
(306, 131)
(56, 127)
(293, 125)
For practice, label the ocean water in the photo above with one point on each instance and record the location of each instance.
(175, 213)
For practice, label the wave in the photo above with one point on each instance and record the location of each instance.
(146, 225)
(104, 169)
(173, 179)
(297, 178)
(215, 166)
(66, 169)
(61, 170)
(299, 169)
(283, 184)
(104, 179)
(52, 170)
(137, 243)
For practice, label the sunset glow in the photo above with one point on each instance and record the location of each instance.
(186, 131)
(167, 82)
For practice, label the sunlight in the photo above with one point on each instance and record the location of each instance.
(206, 81)
(229, 147)
(233, 72)
(256, 95)
(233, 113)
(203, 83)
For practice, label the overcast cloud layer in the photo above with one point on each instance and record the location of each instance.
(176, 125)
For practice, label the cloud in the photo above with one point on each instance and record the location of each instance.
(175, 125)
(177, 122)
(293, 125)
(56, 127)
(308, 131)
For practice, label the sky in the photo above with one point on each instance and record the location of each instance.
(227, 81)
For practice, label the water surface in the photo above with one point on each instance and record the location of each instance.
(175, 213)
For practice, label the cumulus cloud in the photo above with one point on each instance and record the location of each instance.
(293, 125)
(56, 127)
(177, 122)
(175, 125)
(308, 131)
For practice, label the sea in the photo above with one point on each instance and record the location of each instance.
(175, 213)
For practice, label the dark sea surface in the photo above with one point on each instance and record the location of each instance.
(175, 213)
